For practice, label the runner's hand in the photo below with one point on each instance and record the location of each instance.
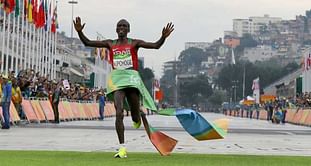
(78, 25)
(168, 30)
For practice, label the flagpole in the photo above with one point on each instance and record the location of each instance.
(243, 82)
(26, 45)
(28, 48)
(49, 40)
(22, 42)
(18, 45)
(304, 85)
(13, 42)
(52, 56)
(7, 47)
(46, 16)
(42, 52)
(3, 40)
(46, 53)
(32, 47)
(37, 50)
(50, 53)
(54, 44)
(55, 49)
(308, 72)
(22, 37)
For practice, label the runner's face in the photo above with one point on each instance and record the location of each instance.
(122, 28)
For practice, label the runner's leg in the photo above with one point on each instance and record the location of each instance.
(118, 104)
(132, 96)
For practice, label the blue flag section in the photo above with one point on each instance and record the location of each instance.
(200, 128)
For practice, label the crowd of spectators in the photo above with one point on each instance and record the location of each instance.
(28, 84)
(303, 100)
(34, 85)
(276, 108)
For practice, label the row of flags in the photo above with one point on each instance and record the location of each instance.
(28, 35)
(102, 53)
(38, 13)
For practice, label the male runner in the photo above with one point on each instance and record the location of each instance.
(123, 56)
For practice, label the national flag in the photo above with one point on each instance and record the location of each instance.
(232, 57)
(103, 54)
(97, 52)
(156, 84)
(25, 9)
(157, 93)
(41, 15)
(163, 143)
(200, 128)
(308, 62)
(30, 11)
(107, 57)
(191, 120)
(9, 6)
(302, 63)
(54, 25)
(17, 8)
(34, 11)
(255, 85)
(56, 18)
(256, 90)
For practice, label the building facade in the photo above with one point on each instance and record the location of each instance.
(201, 45)
(253, 25)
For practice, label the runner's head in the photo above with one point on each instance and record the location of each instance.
(123, 27)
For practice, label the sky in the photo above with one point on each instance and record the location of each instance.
(194, 20)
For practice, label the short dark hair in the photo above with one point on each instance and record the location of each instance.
(124, 20)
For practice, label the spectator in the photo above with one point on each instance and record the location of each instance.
(55, 101)
(6, 101)
(17, 98)
(101, 99)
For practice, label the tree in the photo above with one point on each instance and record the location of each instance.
(268, 72)
(192, 58)
(194, 90)
(146, 75)
(217, 98)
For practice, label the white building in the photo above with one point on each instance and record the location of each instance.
(201, 45)
(252, 24)
(259, 53)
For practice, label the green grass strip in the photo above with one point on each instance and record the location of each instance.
(60, 158)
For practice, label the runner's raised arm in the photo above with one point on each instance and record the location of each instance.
(92, 43)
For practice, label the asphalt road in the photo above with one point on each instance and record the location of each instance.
(245, 136)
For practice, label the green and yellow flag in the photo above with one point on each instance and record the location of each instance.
(29, 12)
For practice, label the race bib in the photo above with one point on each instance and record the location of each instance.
(122, 59)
